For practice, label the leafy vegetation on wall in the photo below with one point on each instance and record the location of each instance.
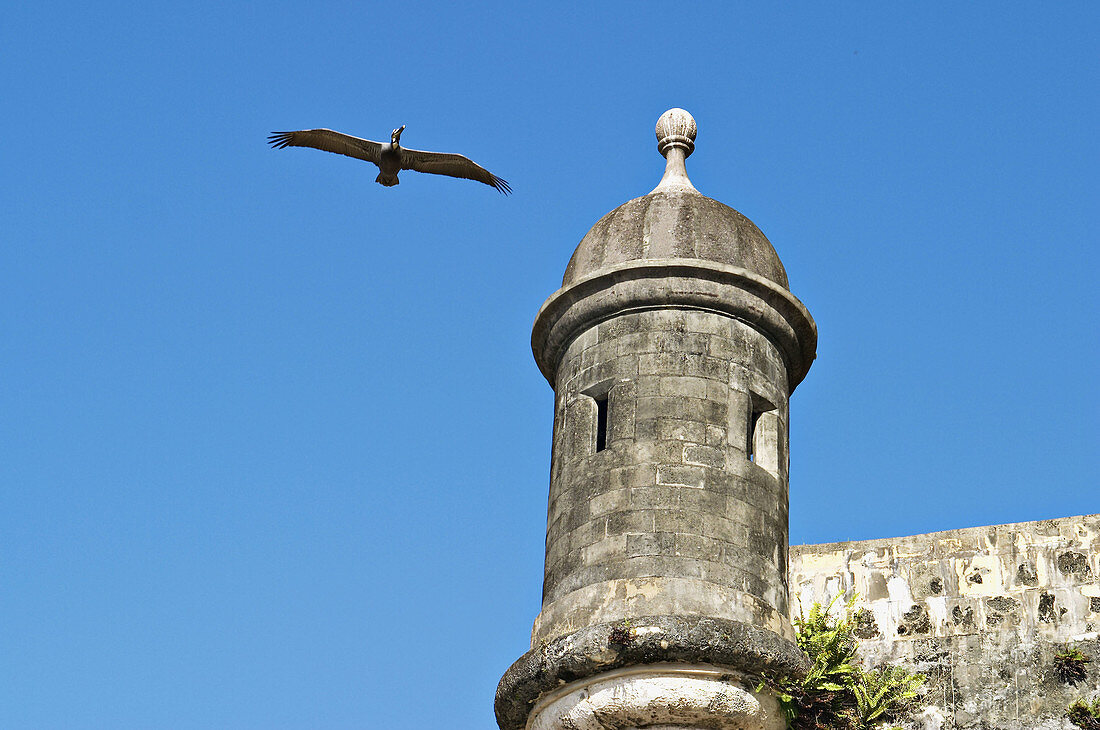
(1085, 716)
(1070, 665)
(837, 693)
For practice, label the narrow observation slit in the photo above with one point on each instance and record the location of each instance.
(754, 420)
(601, 422)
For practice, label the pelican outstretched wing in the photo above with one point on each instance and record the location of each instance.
(329, 141)
(443, 163)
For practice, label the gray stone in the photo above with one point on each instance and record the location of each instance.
(1075, 564)
(1026, 575)
(687, 476)
(1046, 607)
(675, 226)
(688, 639)
(705, 456)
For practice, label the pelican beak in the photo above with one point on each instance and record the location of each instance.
(397, 133)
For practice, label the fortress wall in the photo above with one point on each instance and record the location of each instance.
(980, 611)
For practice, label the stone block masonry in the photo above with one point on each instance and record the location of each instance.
(980, 611)
(672, 497)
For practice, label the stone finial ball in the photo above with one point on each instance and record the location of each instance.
(676, 128)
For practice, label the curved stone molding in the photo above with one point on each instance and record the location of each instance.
(648, 640)
(658, 696)
(670, 284)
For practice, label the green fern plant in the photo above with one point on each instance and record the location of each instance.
(885, 693)
(1085, 716)
(830, 643)
(836, 694)
(1070, 665)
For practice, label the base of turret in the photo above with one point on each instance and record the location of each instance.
(738, 656)
(659, 697)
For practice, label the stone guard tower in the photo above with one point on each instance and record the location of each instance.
(673, 347)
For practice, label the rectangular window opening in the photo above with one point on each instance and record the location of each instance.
(601, 422)
(760, 444)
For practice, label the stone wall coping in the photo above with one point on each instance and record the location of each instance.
(962, 533)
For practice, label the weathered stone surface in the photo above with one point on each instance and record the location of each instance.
(980, 611)
(670, 696)
(675, 225)
(647, 640)
(659, 502)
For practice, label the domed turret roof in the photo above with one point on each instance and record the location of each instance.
(674, 225)
(675, 221)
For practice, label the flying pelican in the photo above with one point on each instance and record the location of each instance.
(391, 158)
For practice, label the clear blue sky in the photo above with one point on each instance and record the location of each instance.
(274, 448)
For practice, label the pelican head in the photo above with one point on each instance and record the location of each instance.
(395, 136)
